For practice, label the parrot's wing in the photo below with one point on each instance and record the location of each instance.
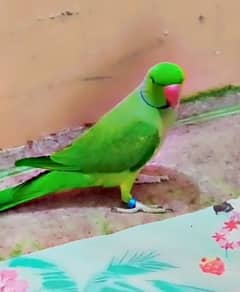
(111, 149)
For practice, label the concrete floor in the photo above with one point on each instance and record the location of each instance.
(202, 162)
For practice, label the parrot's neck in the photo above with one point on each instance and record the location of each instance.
(152, 95)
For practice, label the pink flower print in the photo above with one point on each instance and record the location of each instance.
(229, 245)
(231, 225)
(219, 236)
(9, 282)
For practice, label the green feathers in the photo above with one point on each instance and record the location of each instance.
(167, 74)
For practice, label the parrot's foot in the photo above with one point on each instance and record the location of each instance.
(135, 206)
(151, 179)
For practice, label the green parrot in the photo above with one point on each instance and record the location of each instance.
(112, 152)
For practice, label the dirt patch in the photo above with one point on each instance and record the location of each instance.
(202, 162)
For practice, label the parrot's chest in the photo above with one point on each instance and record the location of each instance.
(165, 122)
(168, 118)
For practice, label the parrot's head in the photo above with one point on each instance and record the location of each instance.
(166, 81)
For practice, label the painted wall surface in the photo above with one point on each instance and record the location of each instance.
(64, 62)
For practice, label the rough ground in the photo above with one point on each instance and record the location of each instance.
(201, 160)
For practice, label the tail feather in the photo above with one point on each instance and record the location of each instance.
(44, 162)
(44, 184)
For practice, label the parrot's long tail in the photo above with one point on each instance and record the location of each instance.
(45, 184)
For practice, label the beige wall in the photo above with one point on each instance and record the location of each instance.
(58, 71)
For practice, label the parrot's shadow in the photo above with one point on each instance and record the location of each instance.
(179, 193)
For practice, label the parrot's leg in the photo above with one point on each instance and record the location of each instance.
(139, 207)
(151, 179)
(133, 205)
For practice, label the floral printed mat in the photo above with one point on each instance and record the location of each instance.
(194, 252)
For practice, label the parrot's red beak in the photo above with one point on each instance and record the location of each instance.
(172, 93)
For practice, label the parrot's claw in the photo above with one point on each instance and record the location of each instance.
(139, 207)
(151, 179)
